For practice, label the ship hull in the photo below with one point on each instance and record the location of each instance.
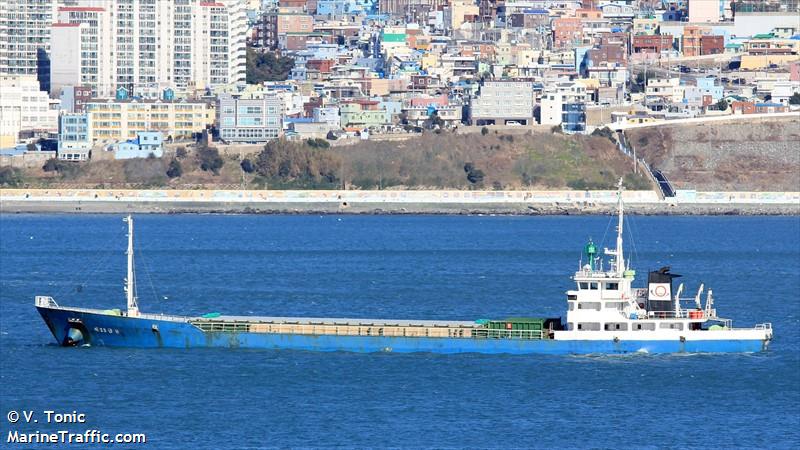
(97, 329)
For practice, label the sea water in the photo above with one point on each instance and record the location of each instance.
(422, 267)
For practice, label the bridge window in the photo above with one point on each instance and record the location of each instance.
(589, 326)
(612, 286)
(589, 305)
(583, 286)
(594, 286)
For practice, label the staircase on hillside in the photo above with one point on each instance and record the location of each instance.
(656, 176)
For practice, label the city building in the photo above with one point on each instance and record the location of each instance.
(25, 38)
(252, 118)
(144, 145)
(500, 102)
(183, 44)
(655, 43)
(74, 137)
(123, 119)
(712, 45)
(363, 114)
(23, 107)
(706, 11)
(74, 98)
(564, 104)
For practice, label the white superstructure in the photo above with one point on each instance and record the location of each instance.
(605, 306)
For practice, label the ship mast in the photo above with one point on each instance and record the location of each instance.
(619, 259)
(130, 287)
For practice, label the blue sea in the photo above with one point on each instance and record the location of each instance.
(453, 267)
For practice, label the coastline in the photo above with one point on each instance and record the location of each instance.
(99, 201)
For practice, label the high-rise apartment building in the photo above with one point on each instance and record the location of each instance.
(145, 45)
(25, 37)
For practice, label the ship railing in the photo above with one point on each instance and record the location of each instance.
(764, 326)
(159, 316)
(682, 314)
(46, 301)
(485, 333)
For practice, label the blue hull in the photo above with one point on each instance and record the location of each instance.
(118, 331)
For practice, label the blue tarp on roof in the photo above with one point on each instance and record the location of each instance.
(298, 120)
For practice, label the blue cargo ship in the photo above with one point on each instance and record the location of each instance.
(605, 314)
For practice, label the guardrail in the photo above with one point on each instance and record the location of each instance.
(483, 333)
(682, 314)
(46, 301)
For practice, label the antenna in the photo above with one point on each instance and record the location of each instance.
(130, 287)
(709, 302)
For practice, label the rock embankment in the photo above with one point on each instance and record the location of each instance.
(742, 156)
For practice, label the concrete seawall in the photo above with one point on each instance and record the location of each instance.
(392, 202)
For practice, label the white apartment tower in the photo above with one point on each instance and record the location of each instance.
(148, 45)
(25, 36)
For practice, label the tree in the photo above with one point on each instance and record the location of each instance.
(474, 176)
(318, 143)
(604, 132)
(435, 121)
(247, 166)
(298, 163)
(209, 159)
(174, 170)
(51, 165)
(31, 147)
(722, 104)
(795, 99)
(484, 131)
(10, 176)
(180, 152)
(266, 66)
